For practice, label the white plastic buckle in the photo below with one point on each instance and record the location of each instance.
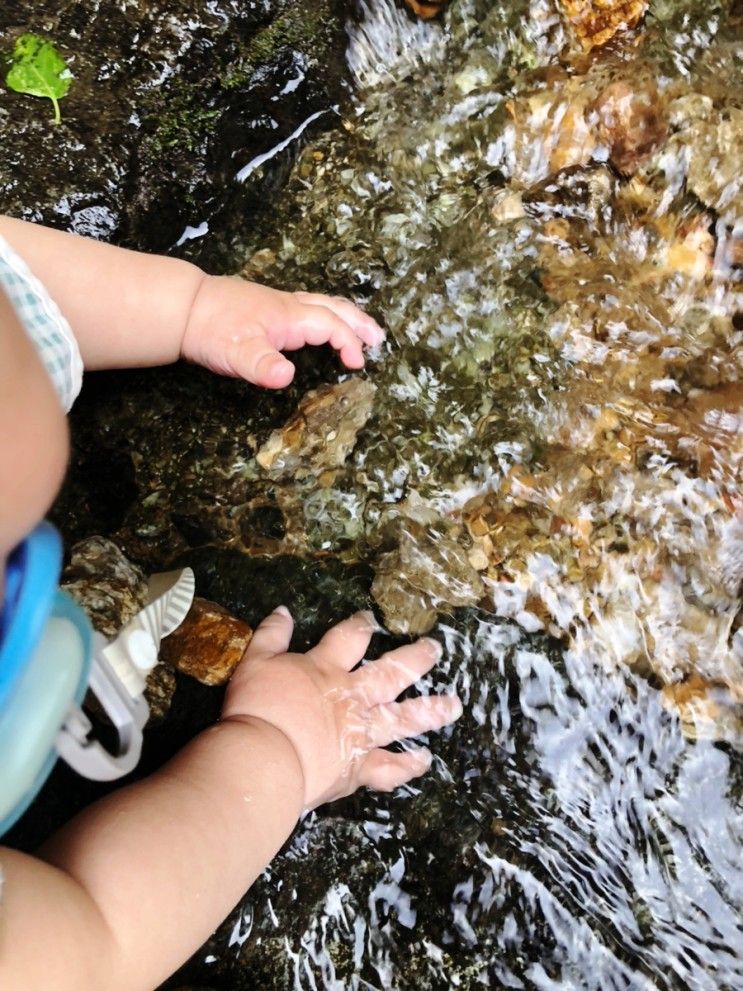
(118, 677)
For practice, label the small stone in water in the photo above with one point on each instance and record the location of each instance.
(426, 11)
(631, 124)
(428, 573)
(208, 645)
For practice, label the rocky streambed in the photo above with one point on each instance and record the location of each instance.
(542, 466)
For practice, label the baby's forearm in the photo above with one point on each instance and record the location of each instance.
(147, 873)
(106, 292)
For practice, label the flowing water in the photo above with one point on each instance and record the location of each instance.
(550, 480)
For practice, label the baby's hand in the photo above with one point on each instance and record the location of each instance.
(238, 328)
(338, 720)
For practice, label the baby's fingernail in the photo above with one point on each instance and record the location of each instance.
(377, 334)
(368, 616)
(425, 758)
(456, 707)
(433, 647)
(283, 611)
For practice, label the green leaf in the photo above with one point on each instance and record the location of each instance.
(37, 68)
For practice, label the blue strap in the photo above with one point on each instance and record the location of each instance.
(31, 580)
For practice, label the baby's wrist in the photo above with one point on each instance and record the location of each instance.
(275, 738)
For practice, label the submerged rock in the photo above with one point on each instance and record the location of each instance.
(590, 117)
(322, 432)
(427, 574)
(715, 148)
(631, 124)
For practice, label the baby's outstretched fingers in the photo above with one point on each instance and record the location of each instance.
(383, 680)
(364, 326)
(315, 324)
(399, 720)
(383, 770)
(343, 646)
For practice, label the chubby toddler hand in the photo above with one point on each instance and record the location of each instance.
(239, 328)
(339, 720)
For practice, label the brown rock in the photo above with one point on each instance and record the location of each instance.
(428, 573)
(208, 645)
(594, 22)
(426, 11)
(707, 710)
(715, 148)
(630, 123)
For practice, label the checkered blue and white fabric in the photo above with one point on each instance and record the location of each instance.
(38, 313)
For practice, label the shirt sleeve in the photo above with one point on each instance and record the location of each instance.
(48, 330)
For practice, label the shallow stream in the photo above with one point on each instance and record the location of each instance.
(548, 476)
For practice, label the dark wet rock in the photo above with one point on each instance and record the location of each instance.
(182, 441)
(169, 101)
(322, 432)
(159, 690)
(208, 645)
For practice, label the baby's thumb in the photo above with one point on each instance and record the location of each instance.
(260, 363)
(272, 635)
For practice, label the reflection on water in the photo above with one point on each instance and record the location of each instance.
(552, 234)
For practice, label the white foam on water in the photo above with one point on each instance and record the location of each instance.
(387, 44)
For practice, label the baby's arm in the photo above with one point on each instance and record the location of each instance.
(129, 309)
(121, 896)
(130, 888)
